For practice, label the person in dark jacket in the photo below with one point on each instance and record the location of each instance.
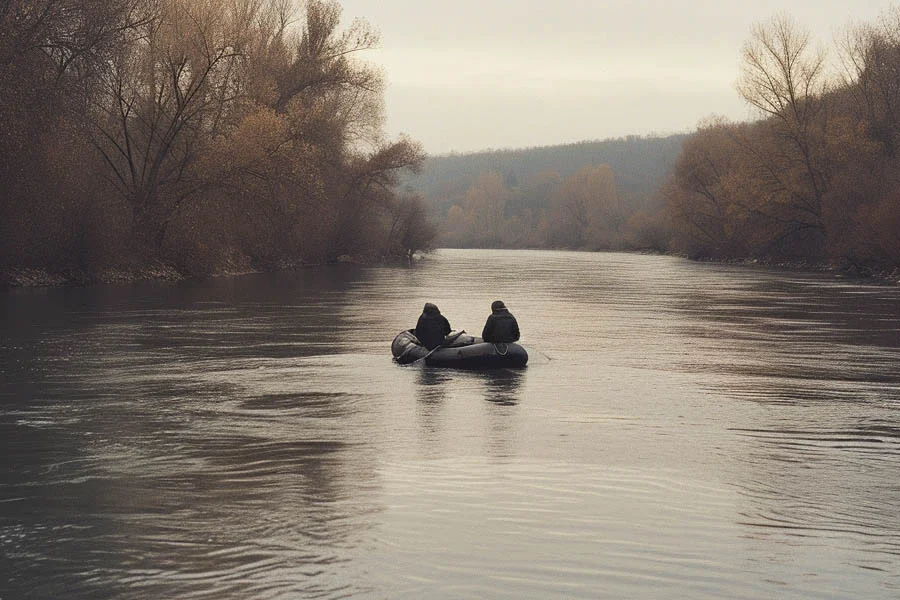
(501, 326)
(432, 327)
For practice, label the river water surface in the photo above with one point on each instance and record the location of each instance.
(682, 430)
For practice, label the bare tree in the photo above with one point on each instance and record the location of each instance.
(164, 96)
(783, 76)
(870, 55)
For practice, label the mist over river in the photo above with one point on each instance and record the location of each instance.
(682, 430)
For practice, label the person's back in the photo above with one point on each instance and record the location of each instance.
(432, 327)
(501, 326)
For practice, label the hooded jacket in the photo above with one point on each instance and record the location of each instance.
(501, 326)
(432, 327)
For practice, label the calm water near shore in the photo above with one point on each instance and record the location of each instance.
(682, 430)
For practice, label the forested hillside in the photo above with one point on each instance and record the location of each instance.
(196, 134)
(593, 194)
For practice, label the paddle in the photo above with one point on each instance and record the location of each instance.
(432, 351)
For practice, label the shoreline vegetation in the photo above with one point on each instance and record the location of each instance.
(33, 277)
(885, 275)
(37, 277)
(167, 139)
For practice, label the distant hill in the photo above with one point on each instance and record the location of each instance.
(640, 165)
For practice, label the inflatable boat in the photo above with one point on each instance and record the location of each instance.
(459, 350)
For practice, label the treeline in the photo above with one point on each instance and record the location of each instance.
(817, 177)
(546, 210)
(591, 195)
(198, 133)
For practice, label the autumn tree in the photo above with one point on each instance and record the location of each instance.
(197, 130)
(871, 170)
(165, 97)
(814, 176)
(698, 193)
(484, 209)
(410, 227)
(870, 54)
(51, 52)
(585, 212)
(331, 105)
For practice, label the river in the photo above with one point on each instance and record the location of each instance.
(682, 430)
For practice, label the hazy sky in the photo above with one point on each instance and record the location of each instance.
(473, 74)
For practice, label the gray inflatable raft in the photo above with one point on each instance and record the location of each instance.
(459, 350)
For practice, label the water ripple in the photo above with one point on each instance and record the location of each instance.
(682, 430)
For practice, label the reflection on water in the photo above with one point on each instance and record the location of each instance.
(431, 383)
(682, 430)
(502, 386)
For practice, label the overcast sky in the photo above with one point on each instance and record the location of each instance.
(467, 75)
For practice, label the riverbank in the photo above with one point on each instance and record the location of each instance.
(29, 277)
(34, 277)
(21, 277)
(869, 273)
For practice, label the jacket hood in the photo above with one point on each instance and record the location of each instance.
(431, 308)
(497, 306)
